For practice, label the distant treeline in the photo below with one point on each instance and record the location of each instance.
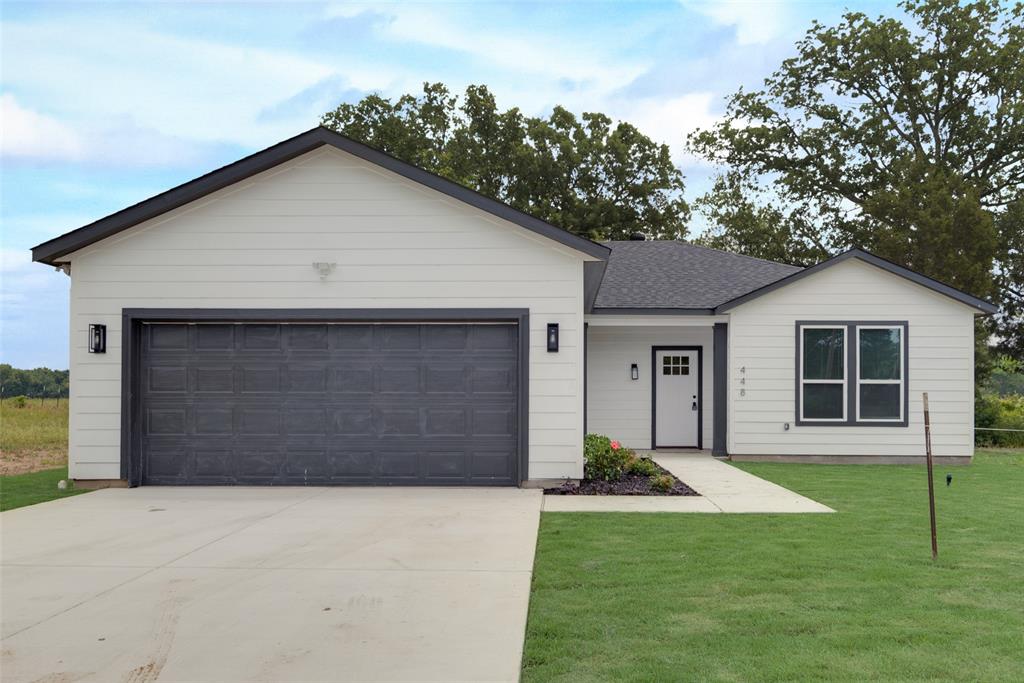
(35, 383)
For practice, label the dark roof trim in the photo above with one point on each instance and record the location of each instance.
(593, 274)
(653, 311)
(888, 266)
(50, 251)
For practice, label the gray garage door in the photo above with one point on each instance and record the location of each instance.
(293, 404)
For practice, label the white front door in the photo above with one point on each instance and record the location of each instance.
(677, 399)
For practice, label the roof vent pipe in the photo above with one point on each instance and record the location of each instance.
(637, 237)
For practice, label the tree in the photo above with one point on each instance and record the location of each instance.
(589, 175)
(36, 383)
(906, 139)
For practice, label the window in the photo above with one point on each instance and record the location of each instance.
(879, 373)
(852, 373)
(823, 373)
(675, 365)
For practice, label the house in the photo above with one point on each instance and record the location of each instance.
(320, 312)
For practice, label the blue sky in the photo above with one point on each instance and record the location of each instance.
(105, 104)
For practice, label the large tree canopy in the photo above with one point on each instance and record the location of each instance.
(901, 136)
(586, 175)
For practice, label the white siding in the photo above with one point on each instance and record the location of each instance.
(619, 406)
(762, 337)
(396, 244)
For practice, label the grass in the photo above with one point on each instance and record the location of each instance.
(846, 597)
(20, 490)
(38, 425)
(33, 437)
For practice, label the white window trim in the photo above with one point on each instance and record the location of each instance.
(844, 381)
(901, 382)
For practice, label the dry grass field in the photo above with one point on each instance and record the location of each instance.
(33, 437)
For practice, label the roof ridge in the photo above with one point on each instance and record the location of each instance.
(688, 243)
(733, 253)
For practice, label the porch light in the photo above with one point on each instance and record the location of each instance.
(97, 338)
(552, 336)
(634, 371)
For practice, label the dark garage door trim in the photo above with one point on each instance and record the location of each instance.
(131, 328)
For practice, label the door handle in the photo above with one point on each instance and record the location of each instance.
(694, 406)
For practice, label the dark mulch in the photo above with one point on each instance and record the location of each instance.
(628, 485)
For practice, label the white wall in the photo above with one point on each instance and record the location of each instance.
(941, 361)
(397, 245)
(620, 407)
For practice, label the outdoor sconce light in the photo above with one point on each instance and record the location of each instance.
(552, 336)
(97, 338)
(634, 371)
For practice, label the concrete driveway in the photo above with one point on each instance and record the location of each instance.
(268, 584)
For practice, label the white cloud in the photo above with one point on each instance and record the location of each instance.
(540, 59)
(30, 293)
(670, 119)
(757, 22)
(190, 88)
(28, 134)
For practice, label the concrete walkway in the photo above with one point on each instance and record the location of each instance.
(268, 584)
(723, 488)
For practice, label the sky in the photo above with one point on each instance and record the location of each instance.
(105, 104)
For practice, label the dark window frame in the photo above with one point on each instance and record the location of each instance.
(852, 373)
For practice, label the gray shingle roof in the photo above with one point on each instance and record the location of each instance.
(671, 274)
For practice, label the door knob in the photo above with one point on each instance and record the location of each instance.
(694, 406)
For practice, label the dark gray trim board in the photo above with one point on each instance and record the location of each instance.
(50, 252)
(654, 394)
(653, 311)
(586, 341)
(963, 297)
(852, 370)
(593, 274)
(720, 402)
(131, 325)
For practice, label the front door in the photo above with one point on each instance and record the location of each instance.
(677, 398)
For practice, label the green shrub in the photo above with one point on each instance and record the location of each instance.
(19, 401)
(603, 458)
(644, 467)
(999, 412)
(662, 482)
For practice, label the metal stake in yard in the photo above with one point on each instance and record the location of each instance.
(931, 485)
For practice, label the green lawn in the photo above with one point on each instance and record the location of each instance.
(846, 597)
(36, 487)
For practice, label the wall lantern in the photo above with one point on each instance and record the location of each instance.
(97, 338)
(634, 371)
(552, 336)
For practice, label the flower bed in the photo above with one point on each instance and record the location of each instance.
(611, 469)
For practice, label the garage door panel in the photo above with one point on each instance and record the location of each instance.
(445, 421)
(296, 404)
(398, 378)
(352, 379)
(213, 380)
(169, 337)
(305, 379)
(259, 380)
(215, 338)
(311, 337)
(399, 337)
(167, 379)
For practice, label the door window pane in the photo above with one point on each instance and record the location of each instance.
(880, 401)
(675, 365)
(823, 401)
(823, 353)
(880, 353)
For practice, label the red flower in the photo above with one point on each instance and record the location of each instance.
(615, 445)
